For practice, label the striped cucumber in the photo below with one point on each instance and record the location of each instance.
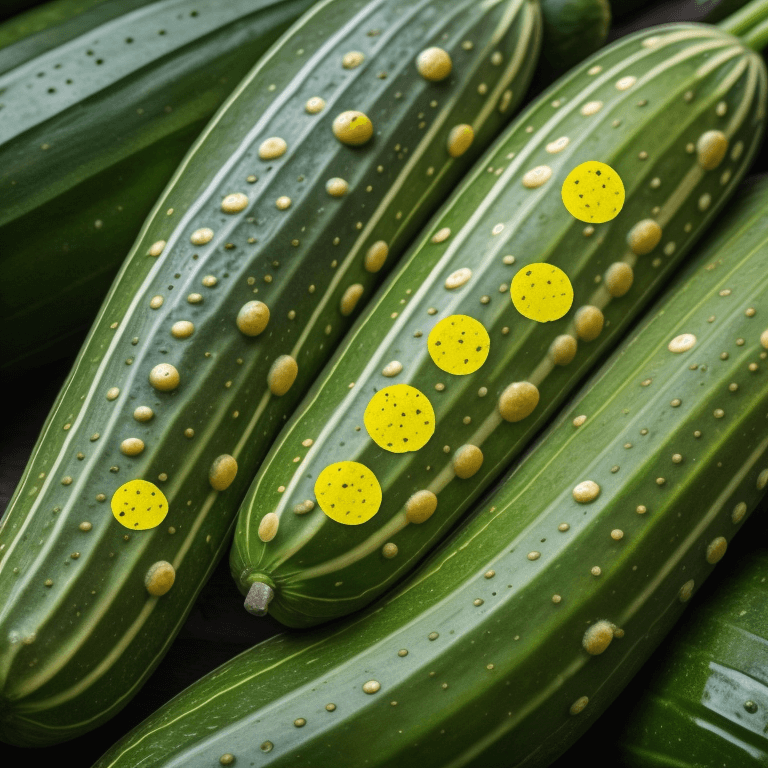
(295, 199)
(97, 109)
(678, 111)
(524, 625)
(706, 700)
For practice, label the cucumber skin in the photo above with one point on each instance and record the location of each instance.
(65, 268)
(691, 710)
(572, 31)
(86, 680)
(331, 413)
(247, 707)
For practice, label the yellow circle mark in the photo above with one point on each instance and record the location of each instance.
(139, 505)
(541, 292)
(593, 192)
(400, 418)
(459, 344)
(348, 492)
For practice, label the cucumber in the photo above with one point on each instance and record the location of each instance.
(512, 637)
(98, 110)
(573, 29)
(705, 701)
(180, 388)
(695, 85)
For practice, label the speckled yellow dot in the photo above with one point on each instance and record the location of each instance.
(348, 492)
(593, 192)
(139, 505)
(400, 419)
(459, 344)
(541, 292)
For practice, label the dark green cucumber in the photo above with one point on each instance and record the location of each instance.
(248, 223)
(641, 105)
(705, 703)
(573, 29)
(508, 642)
(99, 102)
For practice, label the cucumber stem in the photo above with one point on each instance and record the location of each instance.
(757, 37)
(743, 20)
(258, 597)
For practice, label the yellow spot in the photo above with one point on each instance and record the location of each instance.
(132, 446)
(710, 149)
(182, 329)
(336, 187)
(591, 108)
(618, 278)
(392, 368)
(348, 492)
(283, 202)
(375, 256)
(350, 298)
(268, 526)
(420, 507)
(399, 418)
(434, 64)
(764, 338)
(738, 512)
(682, 343)
(352, 59)
(623, 83)
(716, 549)
(558, 145)
(201, 236)
(598, 637)
(518, 401)
(222, 472)
(686, 591)
(537, 176)
(139, 505)
(314, 105)
(593, 192)
(587, 491)
(589, 322)
(252, 318)
(305, 506)
(159, 578)
(441, 235)
(371, 686)
(460, 139)
(467, 461)
(164, 377)
(389, 550)
(143, 413)
(644, 237)
(459, 344)
(352, 128)
(541, 292)
(234, 203)
(157, 248)
(458, 278)
(282, 374)
(271, 148)
(579, 705)
(563, 349)
(112, 393)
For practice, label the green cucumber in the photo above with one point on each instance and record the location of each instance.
(249, 223)
(99, 104)
(511, 638)
(705, 703)
(573, 29)
(641, 105)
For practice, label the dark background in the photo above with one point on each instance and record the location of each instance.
(218, 627)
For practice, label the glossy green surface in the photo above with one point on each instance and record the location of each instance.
(479, 659)
(72, 652)
(100, 103)
(628, 106)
